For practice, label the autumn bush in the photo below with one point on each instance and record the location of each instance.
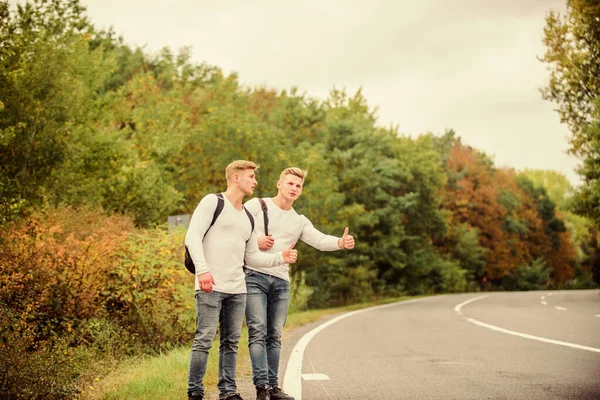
(35, 368)
(149, 291)
(79, 289)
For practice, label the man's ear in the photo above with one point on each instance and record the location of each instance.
(278, 183)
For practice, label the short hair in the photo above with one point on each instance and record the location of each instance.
(237, 166)
(300, 173)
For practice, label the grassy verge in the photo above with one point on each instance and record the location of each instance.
(164, 376)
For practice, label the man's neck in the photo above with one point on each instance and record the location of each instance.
(283, 203)
(235, 197)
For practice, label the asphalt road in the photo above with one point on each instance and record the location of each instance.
(518, 345)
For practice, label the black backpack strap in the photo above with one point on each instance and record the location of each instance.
(251, 218)
(189, 264)
(218, 210)
(265, 210)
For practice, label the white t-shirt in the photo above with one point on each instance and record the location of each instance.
(286, 226)
(228, 242)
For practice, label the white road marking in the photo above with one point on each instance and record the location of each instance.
(544, 303)
(292, 380)
(543, 297)
(597, 315)
(560, 308)
(550, 294)
(458, 308)
(315, 377)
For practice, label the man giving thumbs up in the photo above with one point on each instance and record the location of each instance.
(268, 289)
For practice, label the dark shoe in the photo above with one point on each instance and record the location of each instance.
(262, 393)
(195, 397)
(234, 396)
(278, 394)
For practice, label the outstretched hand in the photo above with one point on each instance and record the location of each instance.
(290, 254)
(346, 241)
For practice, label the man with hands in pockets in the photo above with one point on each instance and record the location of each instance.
(268, 289)
(218, 251)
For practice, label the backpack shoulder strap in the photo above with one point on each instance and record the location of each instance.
(218, 210)
(189, 264)
(265, 210)
(251, 218)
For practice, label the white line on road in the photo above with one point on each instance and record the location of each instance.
(315, 377)
(458, 308)
(292, 382)
(597, 315)
(543, 297)
(544, 303)
(560, 308)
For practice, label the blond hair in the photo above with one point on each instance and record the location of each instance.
(237, 166)
(300, 173)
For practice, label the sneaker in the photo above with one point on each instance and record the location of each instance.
(278, 394)
(233, 396)
(262, 393)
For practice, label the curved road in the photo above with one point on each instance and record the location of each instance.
(517, 345)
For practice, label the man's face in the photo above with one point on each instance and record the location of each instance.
(290, 187)
(247, 181)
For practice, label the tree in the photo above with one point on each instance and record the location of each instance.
(573, 56)
(42, 93)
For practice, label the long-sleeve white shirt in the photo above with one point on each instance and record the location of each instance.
(286, 226)
(228, 242)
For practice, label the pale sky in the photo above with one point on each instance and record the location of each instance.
(429, 65)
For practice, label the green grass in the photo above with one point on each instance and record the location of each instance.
(165, 376)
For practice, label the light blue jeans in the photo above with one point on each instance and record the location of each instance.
(267, 303)
(226, 310)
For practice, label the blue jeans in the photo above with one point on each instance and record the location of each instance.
(267, 303)
(226, 310)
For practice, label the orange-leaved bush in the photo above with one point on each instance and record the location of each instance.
(54, 265)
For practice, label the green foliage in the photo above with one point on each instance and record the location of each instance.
(546, 209)
(300, 293)
(534, 276)
(573, 56)
(467, 251)
(147, 291)
(43, 58)
(37, 369)
(557, 186)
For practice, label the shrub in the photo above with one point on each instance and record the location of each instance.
(54, 266)
(31, 368)
(149, 291)
(534, 276)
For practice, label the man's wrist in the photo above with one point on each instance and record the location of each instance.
(341, 243)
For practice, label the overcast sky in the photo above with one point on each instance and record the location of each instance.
(428, 65)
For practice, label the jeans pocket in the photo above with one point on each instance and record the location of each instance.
(204, 299)
(248, 271)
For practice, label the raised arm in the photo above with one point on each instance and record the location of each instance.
(317, 239)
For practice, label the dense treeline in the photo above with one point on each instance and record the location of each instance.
(100, 142)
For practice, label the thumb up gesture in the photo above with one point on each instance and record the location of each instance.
(346, 241)
(290, 254)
